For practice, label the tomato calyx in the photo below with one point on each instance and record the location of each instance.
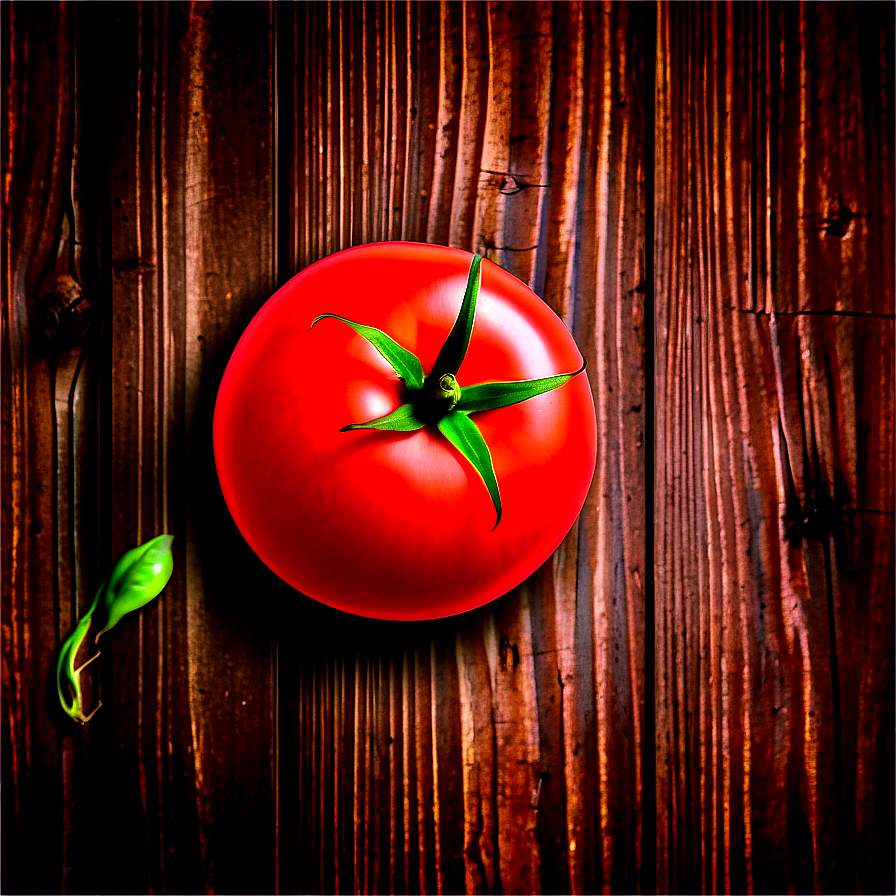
(431, 404)
(438, 399)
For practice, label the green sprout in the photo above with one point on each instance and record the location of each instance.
(139, 575)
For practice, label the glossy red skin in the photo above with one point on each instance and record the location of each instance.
(399, 525)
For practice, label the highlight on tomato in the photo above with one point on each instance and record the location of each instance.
(405, 431)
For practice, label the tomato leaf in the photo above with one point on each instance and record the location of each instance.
(406, 364)
(402, 419)
(68, 679)
(464, 434)
(454, 349)
(138, 577)
(488, 396)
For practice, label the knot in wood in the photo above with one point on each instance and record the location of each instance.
(508, 651)
(63, 316)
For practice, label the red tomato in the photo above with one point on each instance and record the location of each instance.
(398, 525)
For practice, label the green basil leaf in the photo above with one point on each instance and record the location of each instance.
(406, 364)
(455, 347)
(402, 419)
(464, 434)
(68, 679)
(488, 396)
(137, 578)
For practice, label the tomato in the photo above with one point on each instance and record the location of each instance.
(396, 524)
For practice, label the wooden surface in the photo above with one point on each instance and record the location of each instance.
(774, 462)
(696, 692)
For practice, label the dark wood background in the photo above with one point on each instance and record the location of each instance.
(696, 692)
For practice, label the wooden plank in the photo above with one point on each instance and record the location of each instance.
(40, 435)
(774, 491)
(511, 759)
(185, 767)
(164, 783)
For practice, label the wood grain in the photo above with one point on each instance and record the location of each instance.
(499, 751)
(178, 781)
(704, 194)
(192, 253)
(774, 503)
(40, 363)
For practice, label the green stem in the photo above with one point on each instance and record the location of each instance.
(447, 389)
